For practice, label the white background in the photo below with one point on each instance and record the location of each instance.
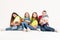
(21, 6)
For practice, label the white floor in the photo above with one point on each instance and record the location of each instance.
(33, 35)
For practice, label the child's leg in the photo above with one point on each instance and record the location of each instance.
(24, 24)
(14, 28)
(31, 28)
(49, 29)
(21, 28)
(27, 26)
(10, 28)
(42, 28)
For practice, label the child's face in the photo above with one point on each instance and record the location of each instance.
(14, 15)
(34, 15)
(27, 15)
(43, 13)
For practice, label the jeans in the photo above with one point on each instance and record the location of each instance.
(14, 28)
(25, 25)
(46, 28)
(20, 28)
(32, 28)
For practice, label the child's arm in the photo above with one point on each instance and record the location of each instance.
(16, 23)
(45, 20)
(11, 23)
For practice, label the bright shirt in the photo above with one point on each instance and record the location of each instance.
(44, 18)
(40, 17)
(34, 23)
(17, 19)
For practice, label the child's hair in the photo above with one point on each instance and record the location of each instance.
(12, 18)
(25, 14)
(36, 16)
(44, 10)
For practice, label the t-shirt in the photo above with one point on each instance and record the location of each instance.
(34, 23)
(45, 18)
(40, 17)
(27, 19)
(17, 19)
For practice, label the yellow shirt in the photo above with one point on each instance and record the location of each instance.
(17, 19)
(34, 23)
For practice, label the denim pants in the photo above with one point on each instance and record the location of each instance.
(46, 28)
(24, 24)
(14, 28)
(32, 28)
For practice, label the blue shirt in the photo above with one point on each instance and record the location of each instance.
(27, 19)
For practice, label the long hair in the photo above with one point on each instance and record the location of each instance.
(12, 18)
(25, 15)
(36, 18)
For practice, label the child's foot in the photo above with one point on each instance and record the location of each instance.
(38, 30)
(26, 30)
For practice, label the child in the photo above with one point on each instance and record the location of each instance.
(34, 21)
(43, 22)
(15, 22)
(26, 21)
(27, 17)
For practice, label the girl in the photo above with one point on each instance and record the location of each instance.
(27, 17)
(26, 21)
(34, 21)
(15, 22)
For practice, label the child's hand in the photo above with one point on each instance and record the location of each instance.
(12, 23)
(22, 19)
(35, 26)
(27, 21)
(16, 23)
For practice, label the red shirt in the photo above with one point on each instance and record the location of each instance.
(39, 18)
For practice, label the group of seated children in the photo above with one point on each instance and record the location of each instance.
(27, 23)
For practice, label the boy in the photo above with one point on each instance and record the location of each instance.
(43, 22)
